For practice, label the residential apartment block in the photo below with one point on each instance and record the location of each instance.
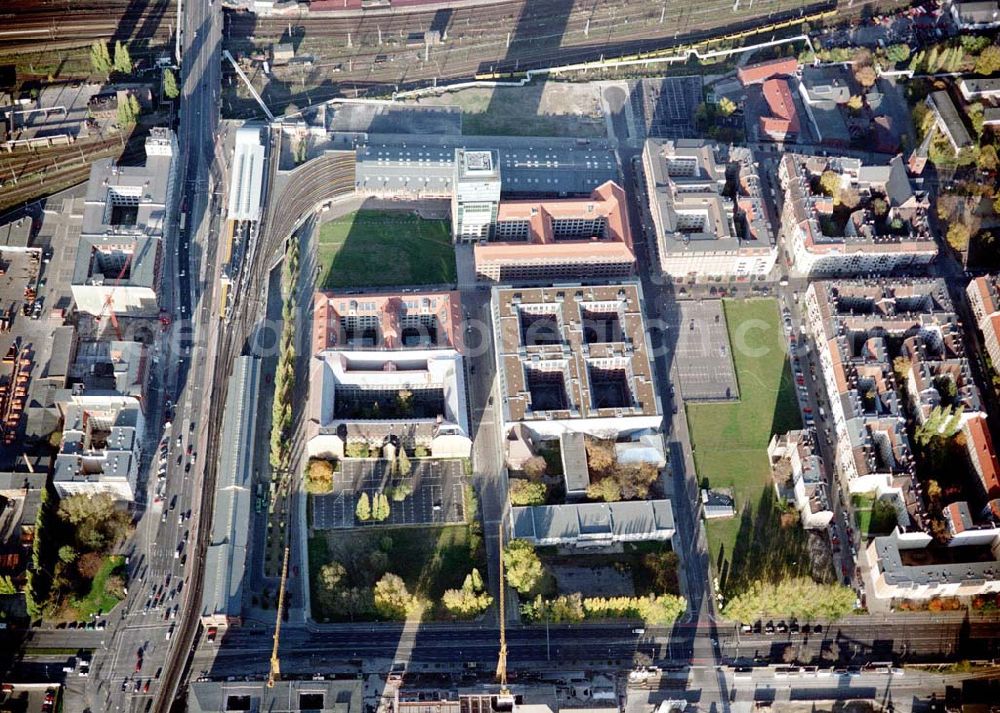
(874, 223)
(984, 298)
(887, 349)
(387, 368)
(798, 472)
(126, 215)
(559, 239)
(708, 210)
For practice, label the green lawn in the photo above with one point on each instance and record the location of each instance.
(873, 517)
(382, 249)
(730, 442)
(98, 600)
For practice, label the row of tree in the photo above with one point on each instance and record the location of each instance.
(284, 377)
(659, 610)
(102, 63)
(375, 508)
(798, 597)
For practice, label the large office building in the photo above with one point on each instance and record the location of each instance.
(559, 239)
(387, 368)
(125, 220)
(704, 232)
(871, 221)
(574, 358)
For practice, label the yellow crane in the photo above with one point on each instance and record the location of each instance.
(275, 673)
(505, 701)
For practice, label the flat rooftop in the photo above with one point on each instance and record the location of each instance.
(426, 164)
(573, 352)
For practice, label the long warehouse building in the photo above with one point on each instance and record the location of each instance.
(423, 166)
(225, 560)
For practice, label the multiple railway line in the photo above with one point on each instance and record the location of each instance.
(367, 53)
(28, 23)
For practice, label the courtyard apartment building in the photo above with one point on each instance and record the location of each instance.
(387, 368)
(559, 239)
(880, 343)
(874, 222)
(125, 220)
(708, 210)
(101, 446)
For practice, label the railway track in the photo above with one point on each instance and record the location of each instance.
(54, 169)
(27, 22)
(477, 40)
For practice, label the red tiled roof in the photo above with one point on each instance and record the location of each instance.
(757, 73)
(784, 118)
(980, 447)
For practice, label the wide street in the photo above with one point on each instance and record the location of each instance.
(163, 553)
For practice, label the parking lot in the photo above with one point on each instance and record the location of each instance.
(702, 350)
(436, 498)
(667, 106)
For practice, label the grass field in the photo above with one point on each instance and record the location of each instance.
(384, 249)
(730, 442)
(98, 600)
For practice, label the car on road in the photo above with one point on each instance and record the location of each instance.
(138, 664)
(124, 683)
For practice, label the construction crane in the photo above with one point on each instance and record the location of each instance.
(109, 300)
(504, 700)
(275, 673)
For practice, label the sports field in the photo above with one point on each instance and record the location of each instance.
(384, 249)
(730, 439)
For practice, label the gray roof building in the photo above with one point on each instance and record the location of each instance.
(16, 235)
(340, 696)
(948, 120)
(977, 15)
(125, 217)
(248, 174)
(594, 524)
(576, 474)
(424, 165)
(915, 567)
(826, 83)
(980, 87)
(225, 560)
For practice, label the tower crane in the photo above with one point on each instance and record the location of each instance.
(504, 701)
(108, 307)
(275, 673)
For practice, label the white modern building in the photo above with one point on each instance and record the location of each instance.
(247, 177)
(476, 198)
